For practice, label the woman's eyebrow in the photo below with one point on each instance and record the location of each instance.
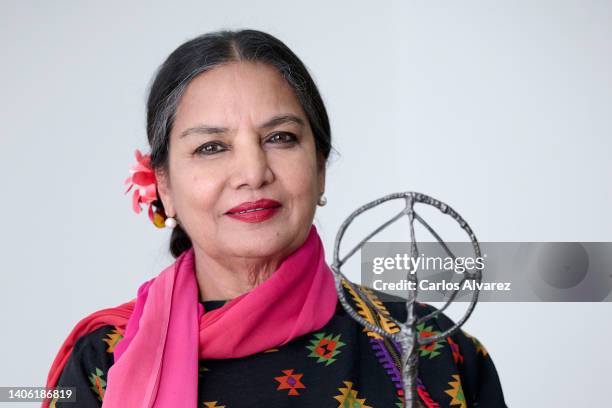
(277, 120)
(282, 119)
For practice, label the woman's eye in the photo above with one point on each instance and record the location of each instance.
(282, 137)
(209, 148)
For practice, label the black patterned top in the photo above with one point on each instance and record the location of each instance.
(342, 365)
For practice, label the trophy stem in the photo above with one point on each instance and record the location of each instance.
(409, 345)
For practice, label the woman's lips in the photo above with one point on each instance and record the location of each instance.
(255, 215)
(255, 211)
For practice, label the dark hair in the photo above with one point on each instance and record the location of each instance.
(206, 52)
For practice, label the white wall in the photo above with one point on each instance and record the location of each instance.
(502, 110)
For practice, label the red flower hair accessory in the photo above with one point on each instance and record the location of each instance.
(143, 177)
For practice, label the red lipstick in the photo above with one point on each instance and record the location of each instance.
(254, 211)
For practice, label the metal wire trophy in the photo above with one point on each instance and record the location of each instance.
(407, 336)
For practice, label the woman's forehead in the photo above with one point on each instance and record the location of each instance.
(243, 92)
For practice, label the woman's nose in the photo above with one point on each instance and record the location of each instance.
(252, 167)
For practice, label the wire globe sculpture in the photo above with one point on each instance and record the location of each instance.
(407, 337)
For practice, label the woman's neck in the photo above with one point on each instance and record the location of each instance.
(230, 278)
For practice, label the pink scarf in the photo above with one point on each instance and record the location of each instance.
(156, 363)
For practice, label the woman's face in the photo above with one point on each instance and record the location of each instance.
(226, 149)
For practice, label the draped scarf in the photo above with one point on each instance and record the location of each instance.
(167, 331)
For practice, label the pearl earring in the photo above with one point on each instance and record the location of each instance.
(322, 200)
(170, 222)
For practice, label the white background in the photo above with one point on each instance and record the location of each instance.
(501, 109)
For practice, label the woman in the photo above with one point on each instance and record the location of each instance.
(247, 315)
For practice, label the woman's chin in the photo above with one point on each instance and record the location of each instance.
(264, 242)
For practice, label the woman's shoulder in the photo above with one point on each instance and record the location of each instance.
(438, 323)
(387, 304)
(88, 364)
(462, 356)
(103, 340)
(93, 350)
(396, 307)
